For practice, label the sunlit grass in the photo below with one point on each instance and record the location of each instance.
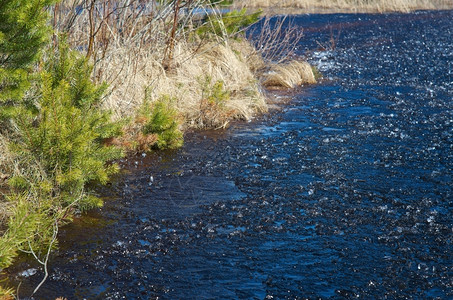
(348, 5)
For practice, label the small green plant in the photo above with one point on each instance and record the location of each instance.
(214, 93)
(162, 120)
(228, 24)
(316, 73)
(23, 34)
(220, 2)
(213, 111)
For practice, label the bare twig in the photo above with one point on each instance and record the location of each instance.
(276, 40)
(168, 55)
(92, 33)
(44, 262)
(332, 43)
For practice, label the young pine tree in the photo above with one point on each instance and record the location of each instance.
(66, 129)
(23, 33)
(58, 129)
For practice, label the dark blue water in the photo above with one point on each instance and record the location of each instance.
(345, 193)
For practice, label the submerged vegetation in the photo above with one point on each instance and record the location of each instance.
(73, 100)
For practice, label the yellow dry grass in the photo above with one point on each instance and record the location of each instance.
(6, 294)
(5, 164)
(195, 71)
(289, 75)
(134, 58)
(6, 159)
(3, 154)
(12, 165)
(249, 54)
(347, 5)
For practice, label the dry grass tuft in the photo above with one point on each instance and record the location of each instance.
(187, 83)
(248, 53)
(133, 139)
(6, 294)
(6, 160)
(289, 75)
(13, 165)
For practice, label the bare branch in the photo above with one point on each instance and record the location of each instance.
(276, 41)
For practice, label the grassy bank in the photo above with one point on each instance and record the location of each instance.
(96, 80)
(347, 6)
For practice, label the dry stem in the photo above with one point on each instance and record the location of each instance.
(276, 41)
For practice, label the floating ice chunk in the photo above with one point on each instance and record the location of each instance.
(422, 266)
(28, 272)
(119, 244)
(383, 208)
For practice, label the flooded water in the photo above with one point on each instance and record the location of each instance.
(345, 193)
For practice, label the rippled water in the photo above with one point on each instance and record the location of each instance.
(345, 193)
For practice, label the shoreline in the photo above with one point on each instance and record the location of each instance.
(333, 11)
(303, 7)
(211, 82)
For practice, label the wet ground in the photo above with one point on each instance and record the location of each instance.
(345, 193)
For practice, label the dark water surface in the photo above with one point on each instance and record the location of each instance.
(346, 193)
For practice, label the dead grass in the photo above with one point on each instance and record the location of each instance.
(132, 48)
(249, 54)
(187, 82)
(289, 75)
(6, 294)
(5, 171)
(12, 165)
(133, 139)
(5, 158)
(347, 5)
